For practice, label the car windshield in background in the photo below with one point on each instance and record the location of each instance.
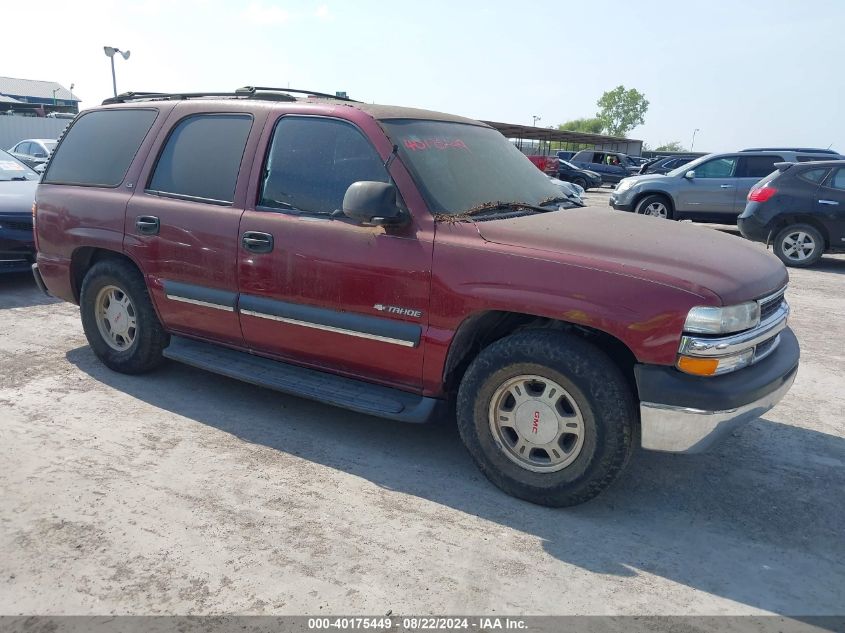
(460, 166)
(570, 165)
(13, 169)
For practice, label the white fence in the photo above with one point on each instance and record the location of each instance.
(17, 128)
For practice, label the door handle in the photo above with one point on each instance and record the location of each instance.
(726, 186)
(257, 242)
(833, 203)
(147, 224)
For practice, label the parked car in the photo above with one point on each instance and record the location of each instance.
(361, 255)
(572, 192)
(33, 151)
(545, 163)
(17, 193)
(664, 164)
(799, 210)
(709, 189)
(584, 178)
(612, 166)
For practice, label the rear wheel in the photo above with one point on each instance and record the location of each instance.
(655, 206)
(547, 417)
(799, 245)
(118, 318)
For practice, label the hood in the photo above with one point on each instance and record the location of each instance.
(688, 257)
(636, 179)
(592, 174)
(17, 196)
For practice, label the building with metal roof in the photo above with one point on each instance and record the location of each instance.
(549, 139)
(35, 98)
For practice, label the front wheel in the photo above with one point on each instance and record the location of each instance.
(581, 183)
(799, 245)
(654, 206)
(547, 417)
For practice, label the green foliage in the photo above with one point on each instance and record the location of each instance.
(621, 110)
(592, 126)
(674, 146)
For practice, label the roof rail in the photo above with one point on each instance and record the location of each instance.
(248, 92)
(811, 150)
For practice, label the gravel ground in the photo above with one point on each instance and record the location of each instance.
(184, 492)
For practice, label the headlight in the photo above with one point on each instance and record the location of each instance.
(710, 320)
(624, 185)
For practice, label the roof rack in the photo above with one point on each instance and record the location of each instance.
(811, 150)
(247, 92)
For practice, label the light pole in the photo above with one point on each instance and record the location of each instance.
(536, 118)
(694, 132)
(110, 51)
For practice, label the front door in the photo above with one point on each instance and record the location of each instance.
(830, 207)
(317, 288)
(711, 193)
(182, 224)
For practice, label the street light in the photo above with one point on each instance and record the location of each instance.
(694, 132)
(536, 118)
(110, 51)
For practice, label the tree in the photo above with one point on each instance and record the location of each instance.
(620, 110)
(673, 146)
(593, 126)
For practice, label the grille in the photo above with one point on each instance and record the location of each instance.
(770, 305)
(16, 225)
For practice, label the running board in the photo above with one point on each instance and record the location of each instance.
(347, 393)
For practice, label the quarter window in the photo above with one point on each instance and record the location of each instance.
(717, 168)
(99, 147)
(813, 175)
(202, 158)
(312, 162)
(838, 180)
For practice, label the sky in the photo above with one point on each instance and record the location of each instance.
(743, 72)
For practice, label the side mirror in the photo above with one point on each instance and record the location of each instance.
(690, 174)
(40, 155)
(371, 202)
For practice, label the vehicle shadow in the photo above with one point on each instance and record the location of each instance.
(830, 264)
(18, 290)
(758, 520)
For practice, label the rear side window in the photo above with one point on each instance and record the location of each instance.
(838, 180)
(202, 158)
(813, 175)
(757, 166)
(312, 162)
(99, 147)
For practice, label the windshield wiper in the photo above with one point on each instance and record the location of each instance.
(22, 178)
(487, 207)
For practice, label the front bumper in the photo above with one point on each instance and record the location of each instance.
(680, 413)
(619, 204)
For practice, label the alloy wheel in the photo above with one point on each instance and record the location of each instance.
(116, 319)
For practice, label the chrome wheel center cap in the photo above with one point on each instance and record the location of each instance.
(118, 318)
(536, 422)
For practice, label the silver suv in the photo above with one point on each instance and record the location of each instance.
(709, 189)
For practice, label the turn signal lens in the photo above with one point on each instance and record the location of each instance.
(698, 366)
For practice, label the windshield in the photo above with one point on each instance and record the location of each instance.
(13, 169)
(570, 165)
(459, 166)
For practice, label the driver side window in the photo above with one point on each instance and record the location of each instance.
(311, 163)
(717, 168)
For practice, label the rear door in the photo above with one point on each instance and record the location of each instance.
(750, 170)
(711, 193)
(830, 207)
(182, 222)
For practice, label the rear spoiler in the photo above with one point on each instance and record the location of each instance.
(783, 166)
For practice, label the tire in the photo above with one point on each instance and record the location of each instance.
(595, 395)
(655, 206)
(581, 183)
(799, 245)
(114, 289)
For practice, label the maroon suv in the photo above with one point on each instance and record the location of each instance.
(388, 259)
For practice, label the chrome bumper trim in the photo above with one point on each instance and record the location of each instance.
(682, 430)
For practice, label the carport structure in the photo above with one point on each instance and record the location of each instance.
(551, 139)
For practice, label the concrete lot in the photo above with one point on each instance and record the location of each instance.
(185, 492)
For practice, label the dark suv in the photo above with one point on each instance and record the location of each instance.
(799, 210)
(402, 263)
